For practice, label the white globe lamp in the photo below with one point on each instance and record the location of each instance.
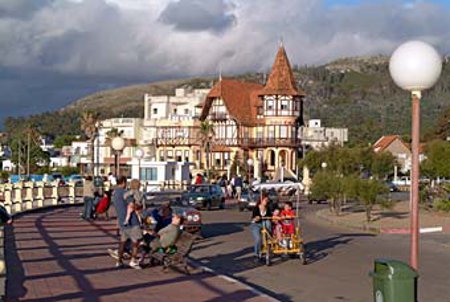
(139, 153)
(118, 143)
(415, 66)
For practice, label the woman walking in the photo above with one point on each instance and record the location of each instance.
(260, 211)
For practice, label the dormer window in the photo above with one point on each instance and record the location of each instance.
(155, 111)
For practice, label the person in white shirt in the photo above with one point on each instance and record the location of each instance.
(112, 179)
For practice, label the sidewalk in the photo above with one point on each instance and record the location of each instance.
(395, 220)
(54, 256)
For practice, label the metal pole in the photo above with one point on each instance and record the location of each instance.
(415, 174)
(139, 169)
(28, 154)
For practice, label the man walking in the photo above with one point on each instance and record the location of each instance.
(238, 183)
(131, 231)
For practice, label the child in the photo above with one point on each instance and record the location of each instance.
(288, 226)
(277, 229)
(136, 204)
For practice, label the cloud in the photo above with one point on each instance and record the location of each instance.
(197, 15)
(120, 41)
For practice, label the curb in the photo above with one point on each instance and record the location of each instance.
(233, 280)
(406, 231)
(364, 228)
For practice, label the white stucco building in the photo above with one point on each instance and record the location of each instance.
(315, 136)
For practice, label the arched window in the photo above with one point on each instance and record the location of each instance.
(272, 158)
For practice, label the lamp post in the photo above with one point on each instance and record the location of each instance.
(415, 66)
(249, 164)
(117, 144)
(139, 154)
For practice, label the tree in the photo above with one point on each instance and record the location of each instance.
(206, 135)
(89, 125)
(369, 193)
(382, 164)
(327, 186)
(27, 154)
(64, 140)
(437, 163)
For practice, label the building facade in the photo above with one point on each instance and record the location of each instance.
(315, 136)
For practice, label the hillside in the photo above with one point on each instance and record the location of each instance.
(351, 92)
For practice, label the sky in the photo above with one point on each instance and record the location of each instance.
(53, 52)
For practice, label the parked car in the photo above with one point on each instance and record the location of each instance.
(250, 197)
(248, 200)
(192, 217)
(204, 196)
(392, 187)
(77, 179)
(61, 179)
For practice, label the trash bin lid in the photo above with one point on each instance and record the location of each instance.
(394, 269)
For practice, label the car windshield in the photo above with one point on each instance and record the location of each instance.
(200, 189)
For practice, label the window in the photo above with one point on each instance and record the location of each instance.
(179, 155)
(186, 155)
(170, 154)
(283, 132)
(198, 156)
(217, 159)
(284, 105)
(175, 111)
(186, 111)
(155, 110)
(161, 155)
(270, 104)
(150, 174)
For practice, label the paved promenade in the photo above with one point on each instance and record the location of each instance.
(54, 256)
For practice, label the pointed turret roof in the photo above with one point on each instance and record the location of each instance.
(281, 79)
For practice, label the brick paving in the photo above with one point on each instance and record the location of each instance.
(55, 256)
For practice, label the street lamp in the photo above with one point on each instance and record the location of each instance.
(139, 153)
(415, 66)
(117, 144)
(249, 164)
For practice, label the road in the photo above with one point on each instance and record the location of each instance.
(339, 260)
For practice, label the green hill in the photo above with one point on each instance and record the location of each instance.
(357, 93)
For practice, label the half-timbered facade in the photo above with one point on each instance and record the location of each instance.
(259, 122)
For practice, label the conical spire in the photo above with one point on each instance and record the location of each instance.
(281, 79)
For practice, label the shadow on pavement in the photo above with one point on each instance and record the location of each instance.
(222, 228)
(320, 249)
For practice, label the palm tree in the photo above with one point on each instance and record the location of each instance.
(206, 135)
(89, 125)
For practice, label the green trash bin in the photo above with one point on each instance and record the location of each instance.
(394, 281)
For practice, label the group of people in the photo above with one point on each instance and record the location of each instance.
(131, 215)
(134, 233)
(278, 222)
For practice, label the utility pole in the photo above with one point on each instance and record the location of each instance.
(19, 155)
(28, 153)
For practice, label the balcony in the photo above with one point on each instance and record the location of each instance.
(218, 116)
(270, 142)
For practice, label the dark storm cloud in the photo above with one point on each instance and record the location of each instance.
(197, 15)
(52, 52)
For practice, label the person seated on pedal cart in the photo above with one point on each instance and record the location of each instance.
(287, 223)
(277, 229)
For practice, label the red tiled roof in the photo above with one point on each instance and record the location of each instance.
(281, 79)
(240, 99)
(385, 141)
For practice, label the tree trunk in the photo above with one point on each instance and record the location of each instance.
(92, 154)
(368, 213)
